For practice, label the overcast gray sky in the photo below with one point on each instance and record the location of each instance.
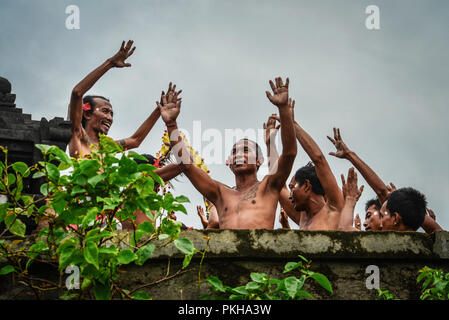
(386, 89)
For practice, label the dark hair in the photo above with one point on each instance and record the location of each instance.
(150, 159)
(91, 101)
(374, 202)
(410, 204)
(308, 172)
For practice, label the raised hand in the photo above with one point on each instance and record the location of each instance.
(118, 60)
(283, 219)
(357, 222)
(270, 128)
(350, 189)
(342, 149)
(391, 188)
(202, 216)
(280, 92)
(170, 105)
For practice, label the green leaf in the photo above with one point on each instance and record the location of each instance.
(187, 259)
(145, 188)
(141, 295)
(171, 227)
(68, 296)
(216, 284)
(7, 269)
(185, 245)
(44, 189)
(38, 174)
(182, 199)
(291, 285)
(112, 250)
(43, 148)
(3, 210)
(91, 254)
(60, 155)
(90, 217)
(102, 291)
(146, 227)
(135, 155)
(240, 290)
(76, 190)
(11, 179)
(53, 172)
(322, 281)
(259, 277)
(292, 266)
(305, 294)
(18, 227)
(144, 253)
(252, 286)
(126, 256)
(37, 248)
(93, 181)
(95, 235)
(20, 167)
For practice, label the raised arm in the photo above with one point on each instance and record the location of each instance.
(270, 131)
(286, 204)
(279, 176)
(75, 106)
(343, 152)
(351, 194)
(327, 179)
(169, 107)
(136, 139)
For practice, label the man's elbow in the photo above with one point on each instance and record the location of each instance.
(318, 158)
(76, 93)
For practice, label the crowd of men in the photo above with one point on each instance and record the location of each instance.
(312, 198)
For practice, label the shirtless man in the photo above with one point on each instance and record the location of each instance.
(92, 115)
(315, 200)
(380, 188)
(252, 203)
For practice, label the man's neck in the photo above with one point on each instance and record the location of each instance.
(314, 205)
(245, 180)
(93, 136)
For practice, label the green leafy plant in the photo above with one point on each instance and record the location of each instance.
(435, 284)
(83, 202)
(262, 287)
(385, 295)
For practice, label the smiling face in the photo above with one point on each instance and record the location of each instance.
(243, 157)
(100, 120)
(373, 219)
(299, 194)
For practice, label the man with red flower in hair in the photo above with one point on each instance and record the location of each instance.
(92, 115)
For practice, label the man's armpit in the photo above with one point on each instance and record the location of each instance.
(122, 142)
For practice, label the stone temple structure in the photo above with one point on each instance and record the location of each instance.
(19, 133)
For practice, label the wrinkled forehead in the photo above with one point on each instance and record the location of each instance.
(102, 103)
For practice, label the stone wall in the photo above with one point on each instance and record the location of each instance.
(233, 254)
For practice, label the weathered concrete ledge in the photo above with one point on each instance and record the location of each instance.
(233, 254)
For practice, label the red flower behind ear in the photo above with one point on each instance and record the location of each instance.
(156, 163)
(86, 106)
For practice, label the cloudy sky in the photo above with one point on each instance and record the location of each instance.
(386, 89)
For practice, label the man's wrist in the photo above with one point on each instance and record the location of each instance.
(109, 63)
(351, 199)
(171, 124)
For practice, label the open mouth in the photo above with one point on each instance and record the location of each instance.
(106, 123)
